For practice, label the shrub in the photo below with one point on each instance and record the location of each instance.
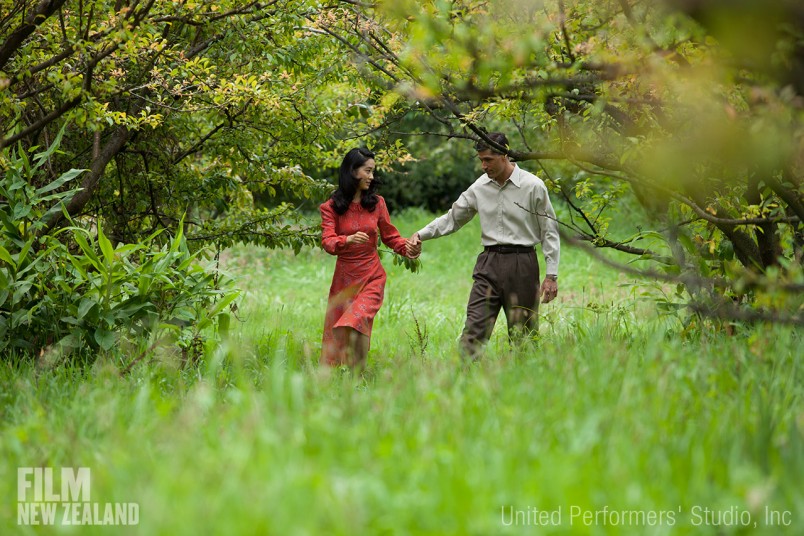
(73, 289)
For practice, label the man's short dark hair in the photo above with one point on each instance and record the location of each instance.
(497, 137)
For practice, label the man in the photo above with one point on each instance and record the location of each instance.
(515, 215)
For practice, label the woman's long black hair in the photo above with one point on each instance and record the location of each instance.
(347, 184)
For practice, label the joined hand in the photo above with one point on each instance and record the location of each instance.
(413, 246)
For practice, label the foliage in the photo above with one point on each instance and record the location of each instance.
(441, 170)
(74, 290)
(180, 113)
(178, 108)
(664, 101)
(413, 265)
(198, 108)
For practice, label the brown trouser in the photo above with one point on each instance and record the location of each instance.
(509, 279)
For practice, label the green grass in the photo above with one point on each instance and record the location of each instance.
(614, 410)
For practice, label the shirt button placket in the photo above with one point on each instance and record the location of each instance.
(500, 213)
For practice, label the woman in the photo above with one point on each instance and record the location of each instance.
(350, 220)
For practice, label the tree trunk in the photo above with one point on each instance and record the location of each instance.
(765, 233)
(90, 182)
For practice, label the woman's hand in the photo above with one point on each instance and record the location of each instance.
(413, 246)
(358, 238)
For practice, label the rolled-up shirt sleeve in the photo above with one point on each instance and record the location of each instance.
(462, 211)
(548, 228)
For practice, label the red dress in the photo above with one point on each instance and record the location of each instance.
(358, 285)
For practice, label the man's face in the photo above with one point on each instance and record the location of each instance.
(493, 164)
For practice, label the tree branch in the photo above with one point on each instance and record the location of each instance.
(751, 282)
(43, 10)
(563, 18)
(45, 120)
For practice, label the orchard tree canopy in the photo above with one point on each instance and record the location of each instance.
(165, 114)
(178, 107)
(189, 107)
(694, 107)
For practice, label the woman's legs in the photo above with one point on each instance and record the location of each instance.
(353, 346)
(360, 347)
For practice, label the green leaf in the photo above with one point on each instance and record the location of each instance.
(217, 308)
(84, 306)
(58, 183)
(6, 257)
(85, 247)
(130, 307)
(41, 158)
(24, 252)
(179, 238)
(71, 341)
(224, 320)
(105, 339)
(105, 246)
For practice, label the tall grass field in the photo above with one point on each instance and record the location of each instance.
(619, 419)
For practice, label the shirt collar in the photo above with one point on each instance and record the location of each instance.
(514, 178)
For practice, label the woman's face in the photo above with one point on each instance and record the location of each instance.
(364, 175)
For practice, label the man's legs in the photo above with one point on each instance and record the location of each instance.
(519, 281)
(484, 305)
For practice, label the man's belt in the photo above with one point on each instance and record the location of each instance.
(508, 248)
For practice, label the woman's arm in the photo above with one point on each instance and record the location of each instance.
(333, 243)
(388, 233)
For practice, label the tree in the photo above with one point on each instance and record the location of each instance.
(178, 113)
(668, 101)
(193, 107)
(177, 107)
